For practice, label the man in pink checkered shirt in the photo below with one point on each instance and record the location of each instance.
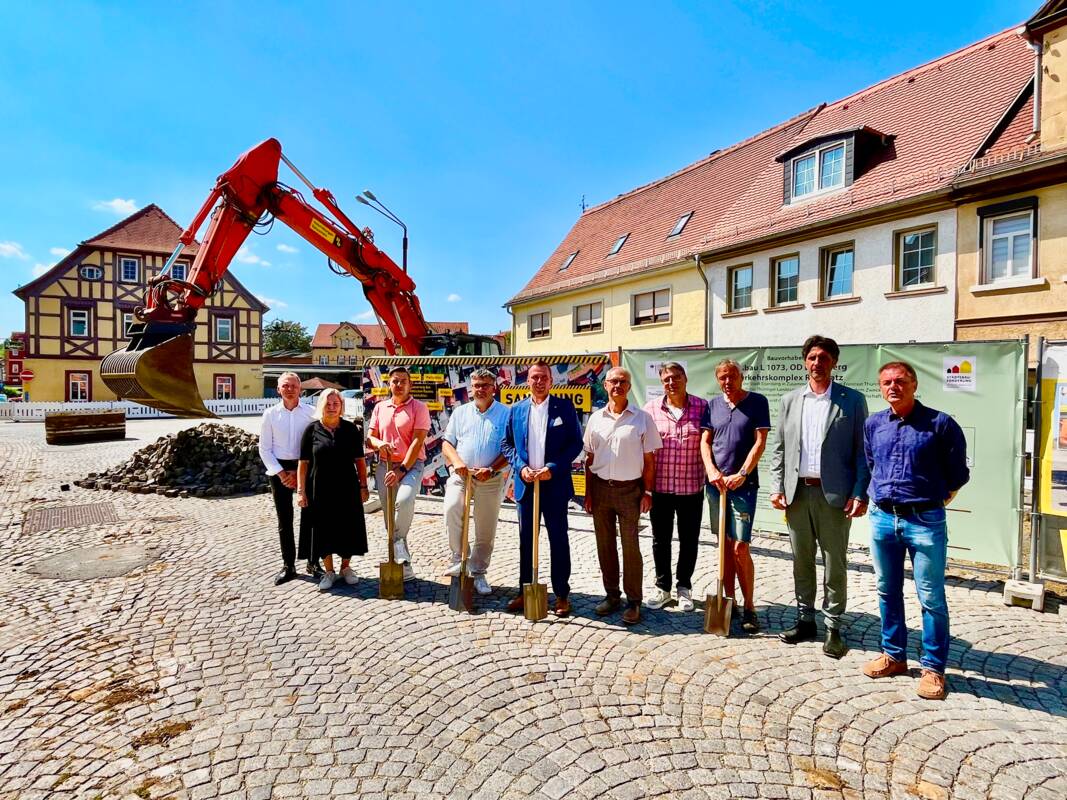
(679, 487)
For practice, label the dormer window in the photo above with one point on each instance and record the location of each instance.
(568, 261)
(618, 244)
(819, 171)
(679, 226)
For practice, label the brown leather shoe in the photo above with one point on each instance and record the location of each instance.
(609, 605)
(932, 685)
(632, 614)
(516, 605)
(562, 607)
(882, 666)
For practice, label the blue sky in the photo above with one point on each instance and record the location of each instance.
(481, 124)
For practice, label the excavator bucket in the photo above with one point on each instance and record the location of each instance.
(156, 369)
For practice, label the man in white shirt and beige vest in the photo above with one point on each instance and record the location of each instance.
(280, 432)
(620, 445)
(819, 477)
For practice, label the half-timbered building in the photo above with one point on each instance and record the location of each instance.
(82, 309)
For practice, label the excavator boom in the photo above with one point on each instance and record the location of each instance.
(156, 367)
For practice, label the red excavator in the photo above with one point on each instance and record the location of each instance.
(156, 367)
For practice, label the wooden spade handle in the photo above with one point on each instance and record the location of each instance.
(536, 526)
(463, 539)
(390, 521)
(722, 539)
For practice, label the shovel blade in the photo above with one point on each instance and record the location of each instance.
(391, 580)
(535, 601)
(156, 370)
(461, 593)
(717, 613)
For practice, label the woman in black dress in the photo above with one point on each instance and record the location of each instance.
(331, 484)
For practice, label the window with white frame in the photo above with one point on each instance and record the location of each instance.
(740, 282)
(589, 317)
(129, 270)
(223, 329)
(819, 171)
(539, 325)
(78, 322)
(1009, 247)
(916, 251)
(224, 387)
(649, 308)
(568, 261)
(341, 361)
(324, 361)
(78, 387)
(785, 280)
(91, 273)
(127, 321)
(178, 270)
(837, 265)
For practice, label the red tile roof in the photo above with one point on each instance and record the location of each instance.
(939, 114)
(149, 229)
(373, 333)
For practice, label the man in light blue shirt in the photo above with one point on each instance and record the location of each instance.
(471, 445)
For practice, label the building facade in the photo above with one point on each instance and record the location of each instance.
(1012, 217)
(842, 220)
(82, 309)
(14, 359)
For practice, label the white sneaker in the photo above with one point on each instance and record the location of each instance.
(409, 573)
(481, 585)
(328, 579)
(685, 599)
(455, 569)
(400, 551)
(350, 577)
(658, 598)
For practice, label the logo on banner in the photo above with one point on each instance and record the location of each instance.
(961, 373)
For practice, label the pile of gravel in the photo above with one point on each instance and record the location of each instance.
(206, 461)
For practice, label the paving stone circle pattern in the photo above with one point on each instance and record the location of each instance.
(193, 676)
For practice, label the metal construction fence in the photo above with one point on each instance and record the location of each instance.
(246, 406)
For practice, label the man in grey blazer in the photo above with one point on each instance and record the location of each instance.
(819, 477)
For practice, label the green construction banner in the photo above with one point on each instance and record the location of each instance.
(980, 384)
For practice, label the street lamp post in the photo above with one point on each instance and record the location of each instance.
(368, 199)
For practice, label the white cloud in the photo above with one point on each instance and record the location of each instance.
(454, 298)
(270, 301)
(41, 269)
(287, 248)
(366, 316)
(12, 250)
(118, 206)
(58, 251)
(246, 256)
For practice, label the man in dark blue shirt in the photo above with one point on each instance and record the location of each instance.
(918, 461)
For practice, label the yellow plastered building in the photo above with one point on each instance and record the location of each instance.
(81, 309)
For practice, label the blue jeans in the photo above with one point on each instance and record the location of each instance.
(740, 507)
(924, 537)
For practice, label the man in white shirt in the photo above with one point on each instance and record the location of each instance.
(280, 433)
(620, 445)
(471, 446)
(819, 477)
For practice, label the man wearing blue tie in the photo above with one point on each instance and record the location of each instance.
(543, 439)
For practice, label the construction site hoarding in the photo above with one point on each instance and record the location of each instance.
(1051, 472)
(443, 382)
(980, 384)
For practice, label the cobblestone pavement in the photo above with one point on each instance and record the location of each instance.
(195, 677)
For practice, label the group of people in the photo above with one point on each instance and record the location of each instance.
(830, 463)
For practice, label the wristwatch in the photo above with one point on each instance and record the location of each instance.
(743, 472)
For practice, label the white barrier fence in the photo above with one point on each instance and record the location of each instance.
(250, 406)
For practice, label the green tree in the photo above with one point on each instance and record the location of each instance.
(283, 334)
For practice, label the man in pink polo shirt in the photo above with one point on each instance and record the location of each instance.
(398, 428)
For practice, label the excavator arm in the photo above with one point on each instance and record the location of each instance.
(155, 368)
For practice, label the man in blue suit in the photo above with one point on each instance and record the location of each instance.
(543, 439)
